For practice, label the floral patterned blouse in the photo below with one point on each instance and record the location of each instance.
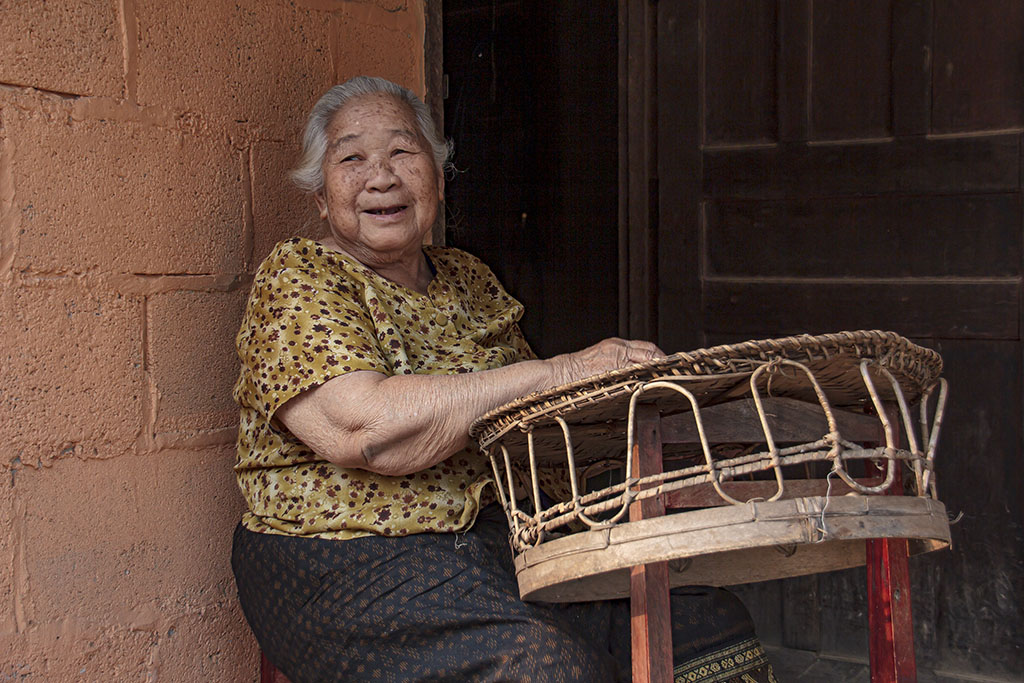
(315, 313)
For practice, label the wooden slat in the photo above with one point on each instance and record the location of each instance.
(791, 421)
(979, 470)
(988, 163)
(968, 235)
(754, 310)
(978, 67)
(739, 59)
(705, 496)
(433, 48)
(650, 612)
(850, 97)
(764, 602)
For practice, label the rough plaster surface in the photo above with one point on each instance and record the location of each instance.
(194, 371)
(59, 653)
(224, 60)
(382, 43)
(111, 551)
(143, 152)
(122, 196)
(67, 47)
(72, 370)
(279, 209)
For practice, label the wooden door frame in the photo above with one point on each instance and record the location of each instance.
(651, 240)
(638, 169)
(435, 82)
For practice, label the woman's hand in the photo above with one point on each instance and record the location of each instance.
(608, 354)
(407, 423)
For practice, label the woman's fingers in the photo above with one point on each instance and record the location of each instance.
(639, 351)
(609, 354)
(629, 351)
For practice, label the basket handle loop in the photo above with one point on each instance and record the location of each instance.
(890, 445)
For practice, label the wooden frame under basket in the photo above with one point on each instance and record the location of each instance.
(811, 392)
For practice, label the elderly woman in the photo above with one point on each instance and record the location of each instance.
(371, 549)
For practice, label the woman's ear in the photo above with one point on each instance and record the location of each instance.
(321, 203)
(440, 187)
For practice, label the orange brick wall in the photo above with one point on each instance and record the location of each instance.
(142, 150)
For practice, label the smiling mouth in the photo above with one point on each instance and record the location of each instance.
(388, 211)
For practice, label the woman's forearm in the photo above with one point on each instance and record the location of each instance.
(405, 423)
(419, 420)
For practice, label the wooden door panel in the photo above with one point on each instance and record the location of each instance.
(753, 309)
(967, 236)
(912, 67)
(843, 164)
(794, 35)
(740, 68)
(910, 165)
(851, 70)
(978, 70)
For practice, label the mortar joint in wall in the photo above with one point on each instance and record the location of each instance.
(10, 220)
(146, 440)
(130, 48)
(249, 201)
(29, 88)
(148, 284)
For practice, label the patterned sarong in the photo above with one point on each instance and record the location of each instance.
(445, 607)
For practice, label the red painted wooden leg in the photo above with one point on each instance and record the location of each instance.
(650, 613)
(269, 672)
(890, 621)
(650, 623)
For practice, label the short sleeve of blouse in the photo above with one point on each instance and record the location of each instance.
(303, 325)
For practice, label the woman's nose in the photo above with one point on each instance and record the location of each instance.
(382, 176)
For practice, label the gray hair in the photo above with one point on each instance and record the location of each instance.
(308, 174)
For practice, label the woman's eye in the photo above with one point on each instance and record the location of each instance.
(400, 151)
(350, 157)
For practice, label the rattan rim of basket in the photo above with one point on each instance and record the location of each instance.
(896, 353)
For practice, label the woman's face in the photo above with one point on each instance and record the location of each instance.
(381, 187)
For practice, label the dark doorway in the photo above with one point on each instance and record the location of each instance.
(848, 164)
(532, 109)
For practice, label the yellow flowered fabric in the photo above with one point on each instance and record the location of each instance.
(315, 313)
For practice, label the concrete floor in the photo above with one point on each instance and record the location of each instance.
(802, 666)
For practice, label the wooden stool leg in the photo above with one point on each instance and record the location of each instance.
(890, 621)
(650, 613)
(269, 673)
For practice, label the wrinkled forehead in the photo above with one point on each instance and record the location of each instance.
(373, 113)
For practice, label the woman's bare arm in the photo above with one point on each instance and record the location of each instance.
(405, 423)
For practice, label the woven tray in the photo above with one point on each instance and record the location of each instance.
(716, 375)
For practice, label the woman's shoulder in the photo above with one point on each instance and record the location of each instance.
(481, 287)
(308, 259)
(296, 252)
(457, 263)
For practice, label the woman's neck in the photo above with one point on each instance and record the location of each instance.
(412, 270)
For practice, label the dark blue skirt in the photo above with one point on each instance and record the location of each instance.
(446, 607)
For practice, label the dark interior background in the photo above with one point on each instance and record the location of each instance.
(820, 165)
(532, 109)
(830, 165)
